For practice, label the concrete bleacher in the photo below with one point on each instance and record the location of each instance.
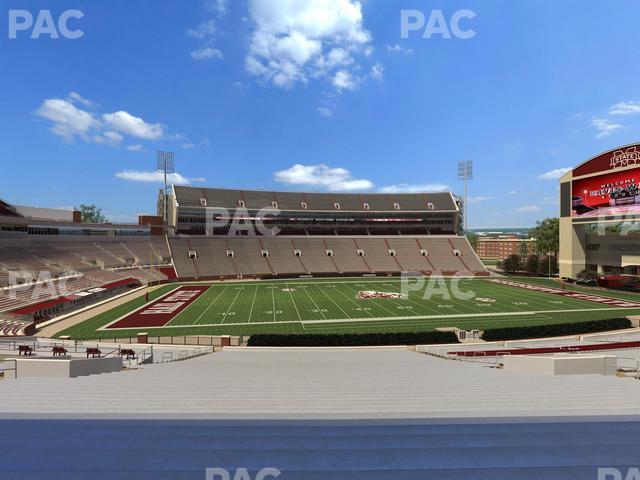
(56, 265)
(342, 414)
(314, 256)
(273, 256)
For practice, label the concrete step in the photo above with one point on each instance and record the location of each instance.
(161, 449)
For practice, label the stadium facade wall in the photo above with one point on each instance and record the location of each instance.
(600, 214)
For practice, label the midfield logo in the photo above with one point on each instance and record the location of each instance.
(624, 159)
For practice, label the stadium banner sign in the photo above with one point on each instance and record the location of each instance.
(614, 193)
(161, 311)
(614, 302)
(623, 157)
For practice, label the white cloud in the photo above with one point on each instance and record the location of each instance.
(377, 72)
(513, 192)
(528, 209)
(625, 108)
(75, 97)
(295, 40)
(325, 112)
(397, 48)
(156, 177)
(204, 30)
(344, 80)
(323, 176)
(479, 199)
(219, 7)
(554, 174)
(68, 121)
(108, 137)
(126, 123)
(415, 188)
(188, 146)
(135, 148)
(206, 53)
(604, 126)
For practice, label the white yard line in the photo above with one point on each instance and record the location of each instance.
(354, 302)
(286, 285)
(376, 303)
(206, 309)
(273, 301)
(332, 301)
(306, 290)
(229, 309)
(255, 294)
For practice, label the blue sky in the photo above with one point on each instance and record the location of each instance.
(315, 95)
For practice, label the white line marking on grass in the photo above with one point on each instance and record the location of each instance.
(379, 319)
(255, 294)
(293, 301)
(206, 309)
(332, 301)
(376, 303)
(355, 303)
(306, 290)
(273, 300)
(229, 309)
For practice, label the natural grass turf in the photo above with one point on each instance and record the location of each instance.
(331, 306)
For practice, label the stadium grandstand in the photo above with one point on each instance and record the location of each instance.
(50, 263)
(219, 233)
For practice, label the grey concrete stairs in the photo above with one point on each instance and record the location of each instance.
(354, 450)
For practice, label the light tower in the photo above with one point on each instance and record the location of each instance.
(166, 166)
(465, 173)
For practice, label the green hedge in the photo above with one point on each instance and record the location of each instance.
(352, 340)
(558, 330)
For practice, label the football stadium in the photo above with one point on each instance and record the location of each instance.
(237, 265)
(319, 239)
(221, 284)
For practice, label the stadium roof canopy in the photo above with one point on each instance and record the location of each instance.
(258, 199)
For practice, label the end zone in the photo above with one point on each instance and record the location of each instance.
(161, 311)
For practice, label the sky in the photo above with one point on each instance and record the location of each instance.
(313, 95)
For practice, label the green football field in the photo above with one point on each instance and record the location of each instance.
(333, 306)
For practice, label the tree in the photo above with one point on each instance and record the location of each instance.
(91, 214)
(548, 265)
(511, 264)
(532, 264)
(473, 239)
(547, 235)
(523, 250)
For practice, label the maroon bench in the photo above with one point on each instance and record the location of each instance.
(94, 352)
(59, 351)
(25, 349)
(128, 352)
